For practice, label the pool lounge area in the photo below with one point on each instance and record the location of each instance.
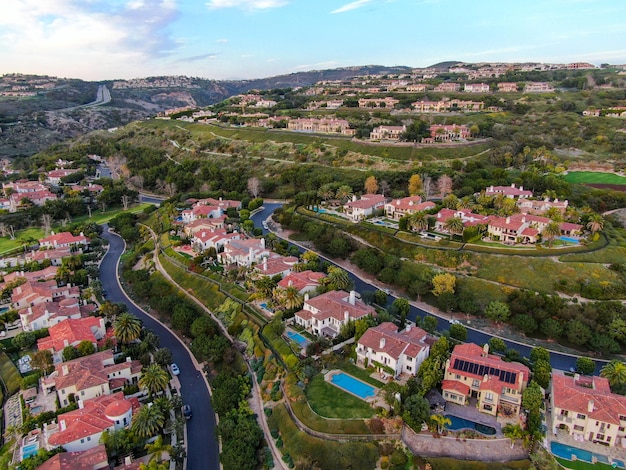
(351, 385)
(29, 449)
(298, 338)
(458, 424)
(571, 453)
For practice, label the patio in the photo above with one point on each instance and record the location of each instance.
(471, 413)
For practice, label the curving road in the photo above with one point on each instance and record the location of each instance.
(202, 447)
(561, 361)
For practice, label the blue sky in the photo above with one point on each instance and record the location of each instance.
(235, 39)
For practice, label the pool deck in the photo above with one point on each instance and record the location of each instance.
(375, 401)
(472, 414)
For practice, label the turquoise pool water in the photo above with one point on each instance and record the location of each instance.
(30, 449)
(569, 240)
(321, 211)
(565, 452)
(298, 338)
(352, 385)
(462, 423)
(264, 305)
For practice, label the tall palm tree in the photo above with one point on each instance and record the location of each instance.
(154, 379)
(418, 221)
(127, 328)
(595, 223)
(264, 287)
(148, 421)
(338, 279)
(450, 201)
(614, 372)
(551, 231)
(513, 432)
(290, 297)
(441, 422)
(465, 202)
(554, 214)
(343, 193)
(454, 226)
(157, 448)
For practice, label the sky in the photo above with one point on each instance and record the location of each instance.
(242, 39)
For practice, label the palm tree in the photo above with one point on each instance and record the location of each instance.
(338, 279)
(264, 287)
(343, 193)
(614, 372)
(291, 298)
(450, 201)
(465, 202)
(595, 223)
(418, 221)
(441, 422)
(454, 226)
(148, 421)
(157, 448)
(154, 379)
(513, 432)
(554, 214)
(127, 328)
(551, 231)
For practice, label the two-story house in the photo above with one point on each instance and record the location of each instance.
(72, 332)
(474, 374)
(359, 209)
(398, 208)
(386, 348)
(304, 281)
(325, 314)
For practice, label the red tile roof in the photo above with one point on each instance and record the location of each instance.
(301, 280)
(72, 332)
(63, 239)
(367, 201)
(408, 342)
(335, 304)
(86, 460)
(455, 386)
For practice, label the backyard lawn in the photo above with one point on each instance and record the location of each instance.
(591, 177)
(331, 402)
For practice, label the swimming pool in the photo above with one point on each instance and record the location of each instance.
(30, 449)
(264, 305)
(352, 385)
(298, 338)
(565, 452)
(462, 423)
(570, 240)
(36, 409)
(319, 211)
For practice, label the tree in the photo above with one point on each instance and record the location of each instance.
(444, 184)
(416, 412)
(614, 372)
(148, 421)
(513, 432)
(497, 345)
(430, 323)
(497, 311)
(595, 223)
(46, 223)
(85, 348)
(157, 448)
(337, 279)
(163, 356)
(440, 421)
(70, 353)
(532, 400)
(418, 221)
(551, 231)
(454, 226)
(343, 193)
(290, 297)
(402, 308)
(127, 328)
(43, 361)
(542, 371)
(578, 333)
(24, 340)
(443, 283)
(415, 185)
(254, 186)
(538, 353)
(380, 298)
(154, 379)
(371, 185)
(585, 366)
(458, 331)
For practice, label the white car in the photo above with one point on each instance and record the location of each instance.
(175, 369)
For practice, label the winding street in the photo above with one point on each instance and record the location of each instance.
(559, 360)
(202, 446)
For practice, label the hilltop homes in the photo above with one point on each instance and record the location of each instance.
(64, 240)
(202, 240)
(304, 281)
(48, 314)
(325, 314)
(511, 192)
(359, 209)
(398, 208)
(473, 374)
(387, 132)
(386, 348)
(93, 459)
(275, 265)
(81, 429)
(244, 252)
(33, 293)
(586, 408)
(91, 376)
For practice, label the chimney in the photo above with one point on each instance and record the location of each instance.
(353, 197)
(512, 185)
(128, 359)
(508, 220)
(485, 349)
(410, 203)
(62, 424)
(408, 328)
(346, 316)
(290, 283)
(81, 405)
(590, 406)
(263, 243)
(576, 377)
(66, 343)
(352, 297)
(265, 264)
(64, 369)
(306, 296)
(382, 343)
(485, 378)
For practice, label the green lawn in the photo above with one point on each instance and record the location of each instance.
(10, 375)
(591, 177)
(331, 402)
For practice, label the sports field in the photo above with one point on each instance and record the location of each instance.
(590, 177)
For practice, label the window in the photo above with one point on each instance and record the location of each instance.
(489, 396)
(622, 429)
(475, 383)
(564, 412)
(581, 416)
(63, 392)
(608, 439)
(82, 393)
(409, 368)
(88, 438)
(600, 437)
(578, 428)
(458, 377)
(82, 441)
(622, 418)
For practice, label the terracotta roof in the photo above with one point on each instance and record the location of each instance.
(72, 332)
(580, 394)
(86, 460)
(63, 239)
(455, 386)
(275, 265)
(408, 342)
(367, 201)
(301, 280)
(334, 304)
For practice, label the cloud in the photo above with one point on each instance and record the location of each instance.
(351, 6)
(246, 4)
(196, 58)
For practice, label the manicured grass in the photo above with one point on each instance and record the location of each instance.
(10, 375)
(447, 463)
(581, 465)
(590, 177)
(332, 402)
(327, 454)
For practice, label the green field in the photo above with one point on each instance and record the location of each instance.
(330, 402)
(591, 177)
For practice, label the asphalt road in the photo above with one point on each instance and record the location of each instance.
(202, 448)
(559, 361)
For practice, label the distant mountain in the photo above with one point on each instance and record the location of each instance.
(445, 65)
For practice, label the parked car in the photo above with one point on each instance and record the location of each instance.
(187, 411)
(175, 369)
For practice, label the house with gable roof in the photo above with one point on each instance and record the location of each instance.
(471, 372)
(217, 238)
(64, 240)
(92, 459)
(325, 314)
(244, 252)
(33, 293)
(275, 265)
(48, 314)
(398, 208)
(304, 281)
(72, 332)
(586, 408)
(509, 191)
(385, 346)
